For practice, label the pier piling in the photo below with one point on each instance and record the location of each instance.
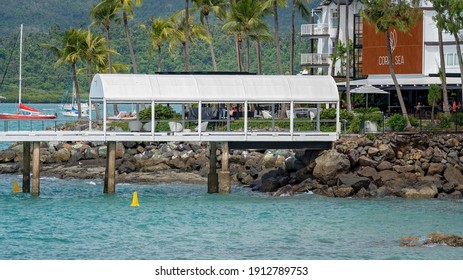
(212, 177)
(26, 187)
(224, 175)
(110, 173)
(36, 169)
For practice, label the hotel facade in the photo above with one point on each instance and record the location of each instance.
(415, 54)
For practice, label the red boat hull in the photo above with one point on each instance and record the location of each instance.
(26, 117)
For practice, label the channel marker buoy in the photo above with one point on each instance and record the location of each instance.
(135, 200)
(15, 186)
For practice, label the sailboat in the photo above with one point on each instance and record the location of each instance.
(70, 109)
(23, 111)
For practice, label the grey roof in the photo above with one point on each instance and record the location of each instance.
(327, 2)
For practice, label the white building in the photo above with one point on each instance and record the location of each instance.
(415, 55)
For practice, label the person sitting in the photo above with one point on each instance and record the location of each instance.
(232, 111)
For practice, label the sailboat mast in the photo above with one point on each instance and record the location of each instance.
(20, 61)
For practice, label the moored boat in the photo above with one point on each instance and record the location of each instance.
(23, 111)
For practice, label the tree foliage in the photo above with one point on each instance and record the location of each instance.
(43, 82)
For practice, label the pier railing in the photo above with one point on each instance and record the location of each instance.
(214, 130)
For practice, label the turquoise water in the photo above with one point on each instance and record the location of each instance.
(73, 219)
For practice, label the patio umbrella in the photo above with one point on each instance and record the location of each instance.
(367, 89)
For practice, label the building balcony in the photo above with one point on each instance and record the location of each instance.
(315, 59)
(315, 30)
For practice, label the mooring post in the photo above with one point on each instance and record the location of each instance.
(26, 167)
(224, 175)
(213, 177)
(110, 173)
(36, 168)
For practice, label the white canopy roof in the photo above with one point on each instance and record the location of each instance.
(213, 88)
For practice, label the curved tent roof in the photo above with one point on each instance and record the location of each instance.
(212, 88)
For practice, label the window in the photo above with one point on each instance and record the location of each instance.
(449, 59)
(334, 18)
(333, 45)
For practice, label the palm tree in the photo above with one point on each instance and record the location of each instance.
(336, 40)
(300, 5)
(103, 14)
(187, 36)
(260, 34)
(434, 95)
(95, 53)
(245, 19)
(388, 14)
(448, 18)
(205, 7)
(276, 4)
(443, 22)
(348, 98)
(127, 11)
(196, 32)
(160, 30)
(71, 52)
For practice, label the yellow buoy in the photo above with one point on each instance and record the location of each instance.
(135, 200)
(15, 186)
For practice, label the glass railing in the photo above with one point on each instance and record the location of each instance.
(315, 29)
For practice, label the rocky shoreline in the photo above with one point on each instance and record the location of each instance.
(408, 166)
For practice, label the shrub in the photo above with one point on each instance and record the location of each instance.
(458, 118)
(161, 113)
(396, 122)
(413, 121)
(330, 114)
(445, 121)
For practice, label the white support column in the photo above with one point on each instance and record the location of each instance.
(200, 104)
(89, 113)
(105, 112)
(246, 119)
(338, 125)
(291, 118)
(153, 121)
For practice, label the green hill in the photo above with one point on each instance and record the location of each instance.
(42, 82)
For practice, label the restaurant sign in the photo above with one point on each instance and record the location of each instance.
(407, 51)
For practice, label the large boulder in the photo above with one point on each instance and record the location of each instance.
(329, 165)
(369, 172)
(324, 191)
(63, 155)
(424, 191)
(452, 174)
(7, 156)
(306, 185)
(388, 175)
(343, 191)
(387, 151)
(353, 181)
(435, 168)
(366, 161)
(284, 191)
